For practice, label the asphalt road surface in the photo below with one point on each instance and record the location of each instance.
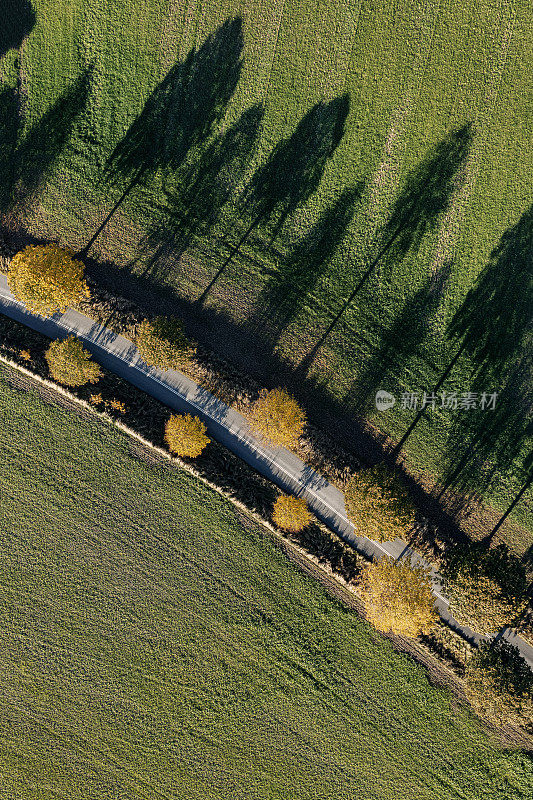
(227, 426)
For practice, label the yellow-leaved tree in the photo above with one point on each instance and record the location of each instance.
(47, 279)
(379, 504)
(398, 597)
(278, 418)
(185, 435)
(291, 513)
(71, 364)
(162, 343)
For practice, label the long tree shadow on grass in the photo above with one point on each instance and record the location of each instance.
(290, 176)
(527, 558)
(180, 113)
(18, 19)
(426, 195)
(484, 443)
(400, 342)
(196, 194)
(35, 156)
(9, 133)
(526, 481)
(494, 327)
(280, 300)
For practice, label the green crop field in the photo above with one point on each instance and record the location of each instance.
(300, 155)
(154, 647)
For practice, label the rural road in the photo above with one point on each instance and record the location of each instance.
(226, 425)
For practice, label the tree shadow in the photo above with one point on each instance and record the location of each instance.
(504, 290)
(484, 444)
(280, 300)
(527, 468)
(400, 342)
(36, 154)
(311, 479)
(18, 19)
(291, 174)
(494, 328)
(426, 195)
(180, 113)
(210, 405)
(183, 108)
(527, 558)
(196, 194)
(497, 563)
(9, 133)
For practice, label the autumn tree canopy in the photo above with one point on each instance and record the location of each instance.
(162, 343)
(47, 279)
(499, 684)
(291, 513)
(278, 418)
(486, 587)
(71, 364)
(379, 504)
(398, 597)
(185, 435)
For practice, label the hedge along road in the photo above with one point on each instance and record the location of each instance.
(226, 425)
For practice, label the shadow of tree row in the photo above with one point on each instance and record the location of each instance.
(281, 299)
(324, 410)
(196, 195)
(183, 108)
(400, 342)
(289, 177)
(178, 136)
(18, 19)
(178, 117)
(492, 335)
(425, 197)
(177, 133)
(494, 328)
(27, 159)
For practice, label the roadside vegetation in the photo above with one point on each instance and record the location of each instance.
(291, 513)
(347, 239)
(379, 504)
(185, 435)
(397, 603)
(344, 240)
(499, 684)
(162, 343)
(139, 584)
(277, 418)
(47, 279)
(487, 587)
(398, 598)
(71, 364)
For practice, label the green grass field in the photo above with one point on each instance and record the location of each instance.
(394, 81)
(154, 647)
